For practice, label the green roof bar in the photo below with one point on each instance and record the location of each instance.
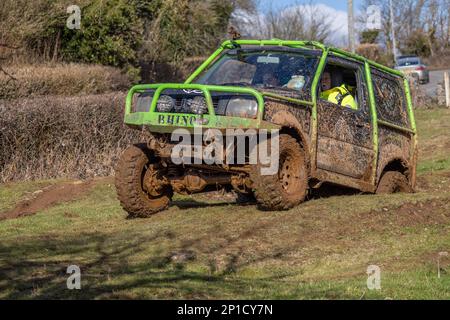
(314, 123)
(230, 44)
(205, 64)
(273, 42)
(362, 59)
(374, 117)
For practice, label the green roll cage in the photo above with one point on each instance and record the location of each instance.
(211, 120)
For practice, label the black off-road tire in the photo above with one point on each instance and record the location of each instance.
(130, 172)
(393, 182)
(288, 188)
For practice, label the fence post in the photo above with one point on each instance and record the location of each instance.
(447, 88)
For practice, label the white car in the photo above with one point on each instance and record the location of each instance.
(412, 65)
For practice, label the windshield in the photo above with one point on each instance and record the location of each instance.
(288, 70)
(408, 62)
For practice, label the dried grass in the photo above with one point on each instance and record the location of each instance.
(55, 136)
(60, 79)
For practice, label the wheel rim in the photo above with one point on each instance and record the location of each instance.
(288, 174)
(148, 174)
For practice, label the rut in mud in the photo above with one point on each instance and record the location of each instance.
(48, 197)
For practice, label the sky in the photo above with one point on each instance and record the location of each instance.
(333, 8)
(336, 4)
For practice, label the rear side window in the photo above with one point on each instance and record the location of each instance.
(390, 99)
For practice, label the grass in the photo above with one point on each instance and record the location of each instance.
(434, 127)
(319, 250)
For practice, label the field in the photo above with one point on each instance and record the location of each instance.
(209, 247)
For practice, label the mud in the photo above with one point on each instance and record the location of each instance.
(302, 115)
(393, 182)
(345, 140)
(48, 197)
(133, 162)
(393, 145)
(288, 188)
(390, 99)
(431, 212)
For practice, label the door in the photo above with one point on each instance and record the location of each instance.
(345, 129)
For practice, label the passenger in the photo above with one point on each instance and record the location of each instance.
(339, 95)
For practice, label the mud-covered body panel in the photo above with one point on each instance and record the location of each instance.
(394, 145)
(344, 140)
(390, 99)
(301, 114)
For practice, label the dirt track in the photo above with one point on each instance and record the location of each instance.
(47, 197)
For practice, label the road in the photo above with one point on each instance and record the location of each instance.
(435, 78)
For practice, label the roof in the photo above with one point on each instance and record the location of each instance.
(408, 56)
(310, 44)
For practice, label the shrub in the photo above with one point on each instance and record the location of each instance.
(111, 34)
(369, 36)
(375, 53)
(184, 28)
(118, 33)
(60, 79)
(49, 137)
(417, 43)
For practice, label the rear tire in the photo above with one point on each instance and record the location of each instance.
(136, 163)
(287, 188)
(394, 182)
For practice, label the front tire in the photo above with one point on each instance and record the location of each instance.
(287, 188)
(134, 166)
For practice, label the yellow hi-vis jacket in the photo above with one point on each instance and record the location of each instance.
(340, 96)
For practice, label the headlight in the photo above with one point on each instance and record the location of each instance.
(198, 105)
(143, 103)
(165, 103)
(242, 107)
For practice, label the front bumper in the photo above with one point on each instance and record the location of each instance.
(166, 122)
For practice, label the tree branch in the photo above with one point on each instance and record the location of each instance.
(10, 76)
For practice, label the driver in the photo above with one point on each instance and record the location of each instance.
(270, 80)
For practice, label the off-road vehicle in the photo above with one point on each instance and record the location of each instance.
(273, 85)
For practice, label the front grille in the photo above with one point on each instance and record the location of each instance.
(182, 104)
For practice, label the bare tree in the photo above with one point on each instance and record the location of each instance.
(305, 22)
(429, 19)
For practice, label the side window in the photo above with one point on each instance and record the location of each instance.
(390, 99)
(339, 85)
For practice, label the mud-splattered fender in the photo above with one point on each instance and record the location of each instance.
(287, 120)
